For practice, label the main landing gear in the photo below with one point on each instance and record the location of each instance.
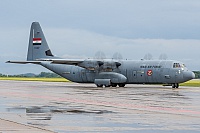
(175, 85)
(113, 85)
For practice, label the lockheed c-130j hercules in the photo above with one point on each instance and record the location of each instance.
(104, 72)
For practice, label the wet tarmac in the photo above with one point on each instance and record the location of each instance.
(72, 107)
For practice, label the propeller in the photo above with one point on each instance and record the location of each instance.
(100, 55)
(117, 56)
(163, 57)
(148, 57)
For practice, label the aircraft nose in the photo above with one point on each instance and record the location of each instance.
(188, 75)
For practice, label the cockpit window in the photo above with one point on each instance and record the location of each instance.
(183, 65)
(176, 65)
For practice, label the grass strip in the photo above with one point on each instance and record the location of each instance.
(192, 83)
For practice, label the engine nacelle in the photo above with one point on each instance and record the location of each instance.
(104, 65)
(110, 65)
(91, 64)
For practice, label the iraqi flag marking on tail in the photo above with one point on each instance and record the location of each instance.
(37, 41)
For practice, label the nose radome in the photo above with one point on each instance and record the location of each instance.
(189, 75)
(193, 75)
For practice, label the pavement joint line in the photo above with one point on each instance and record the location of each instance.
(27, 125)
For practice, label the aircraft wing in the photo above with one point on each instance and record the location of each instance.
(24, 62)
(65, 61)
(53, 61)
(81, 62)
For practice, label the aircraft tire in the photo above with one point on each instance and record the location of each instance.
(121, 85)
(107, 85)
(173, 85)
(176, 85)
(114, 85)
(99, 85)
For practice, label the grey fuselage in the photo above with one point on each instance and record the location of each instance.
(104, 72)
(136, 72)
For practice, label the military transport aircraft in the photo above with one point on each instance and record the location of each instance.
(104, 72)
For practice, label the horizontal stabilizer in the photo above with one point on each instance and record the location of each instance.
(24, 62)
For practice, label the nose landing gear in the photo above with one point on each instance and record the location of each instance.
(175, 85)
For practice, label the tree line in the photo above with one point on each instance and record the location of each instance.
(197, 74)
(41, 75)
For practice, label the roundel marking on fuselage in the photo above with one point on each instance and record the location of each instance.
(149, 72)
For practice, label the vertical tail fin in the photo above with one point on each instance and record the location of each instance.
(38, 47)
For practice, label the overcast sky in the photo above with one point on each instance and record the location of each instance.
(80, 28)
